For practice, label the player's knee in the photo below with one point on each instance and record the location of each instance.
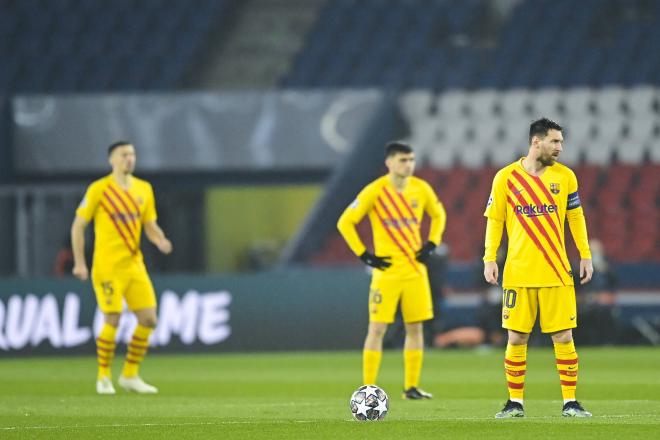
(415, 329)
(562, 337)
(148, 321)
(112, 319)
(516, 338)
(377, 330)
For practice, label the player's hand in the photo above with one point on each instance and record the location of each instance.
(375, 261)
(491, 272)
(586, 270)
(425, 252)
(165, 246)
(80, 271)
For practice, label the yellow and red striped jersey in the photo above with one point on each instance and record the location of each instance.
(118, 216)
(534, 210)
(395, 221)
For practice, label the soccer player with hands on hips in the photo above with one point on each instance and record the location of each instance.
(121, 206)
(395, 204)
(533, 197)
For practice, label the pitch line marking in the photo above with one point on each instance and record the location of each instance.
(245, 422)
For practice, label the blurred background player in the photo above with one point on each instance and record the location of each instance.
(120, 205)
(395, 204)
(533, 197)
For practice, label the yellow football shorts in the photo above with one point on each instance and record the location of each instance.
(414, 295)
(556, 304)
(134, 286)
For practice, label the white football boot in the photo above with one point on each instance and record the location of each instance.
(137, 385)
(104, 386)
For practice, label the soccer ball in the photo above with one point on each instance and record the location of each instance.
(369, 403)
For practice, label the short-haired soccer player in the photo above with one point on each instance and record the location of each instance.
(533, 197)
(395, 204)
(121, 206)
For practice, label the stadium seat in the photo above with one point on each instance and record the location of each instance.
(487, 132)
(572, 153)
(472, 155)
(454, 131)
(517, 133)
(453, 53)
(641, 129)
(642, 101)
(609, 129)
(547, 103)
(441, 156)
(609, 101)
(515, 104)
(453, 105)
(483, 103)
(631, 153)
(599, 152)
(654, 151)
(73, 33)
(506, 154)
(579, 103)
(416, 103)
(423, 136)
(579, 131)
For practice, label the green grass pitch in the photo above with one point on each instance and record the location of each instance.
(305, 395)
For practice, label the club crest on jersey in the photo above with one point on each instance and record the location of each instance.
(554, 188)
(414, 203)
(140, 200)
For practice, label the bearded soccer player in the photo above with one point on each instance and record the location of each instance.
(121, 205)
(395, 204)
(533, 197)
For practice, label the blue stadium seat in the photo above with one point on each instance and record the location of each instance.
(588, 30)
(70, 33)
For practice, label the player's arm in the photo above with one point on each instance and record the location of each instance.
(496, 215)
(494, 230)
(578, 225)
(151, 229)
(156, 235)
(346, 225)
(436, 212)
(80, 270)
(84, 214)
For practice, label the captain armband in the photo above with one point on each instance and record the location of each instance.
(573, 200)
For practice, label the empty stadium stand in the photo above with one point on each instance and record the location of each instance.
(445, 44)
(490, 126)
(78, 45)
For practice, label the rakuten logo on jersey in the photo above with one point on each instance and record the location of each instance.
(535, 210)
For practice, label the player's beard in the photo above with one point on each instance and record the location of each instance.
(547, 160)
(129, 168)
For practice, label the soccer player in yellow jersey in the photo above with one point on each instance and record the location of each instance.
(395, 204)
(533, 197)
(121, 205)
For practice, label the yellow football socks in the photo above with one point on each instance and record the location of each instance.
(370, 366)
(105, 349)
(567, 366)
(136, 351)
(515, 365)
(412, 367)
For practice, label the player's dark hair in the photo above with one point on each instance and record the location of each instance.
(117, 144)
(541, 127)
(392, 148)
